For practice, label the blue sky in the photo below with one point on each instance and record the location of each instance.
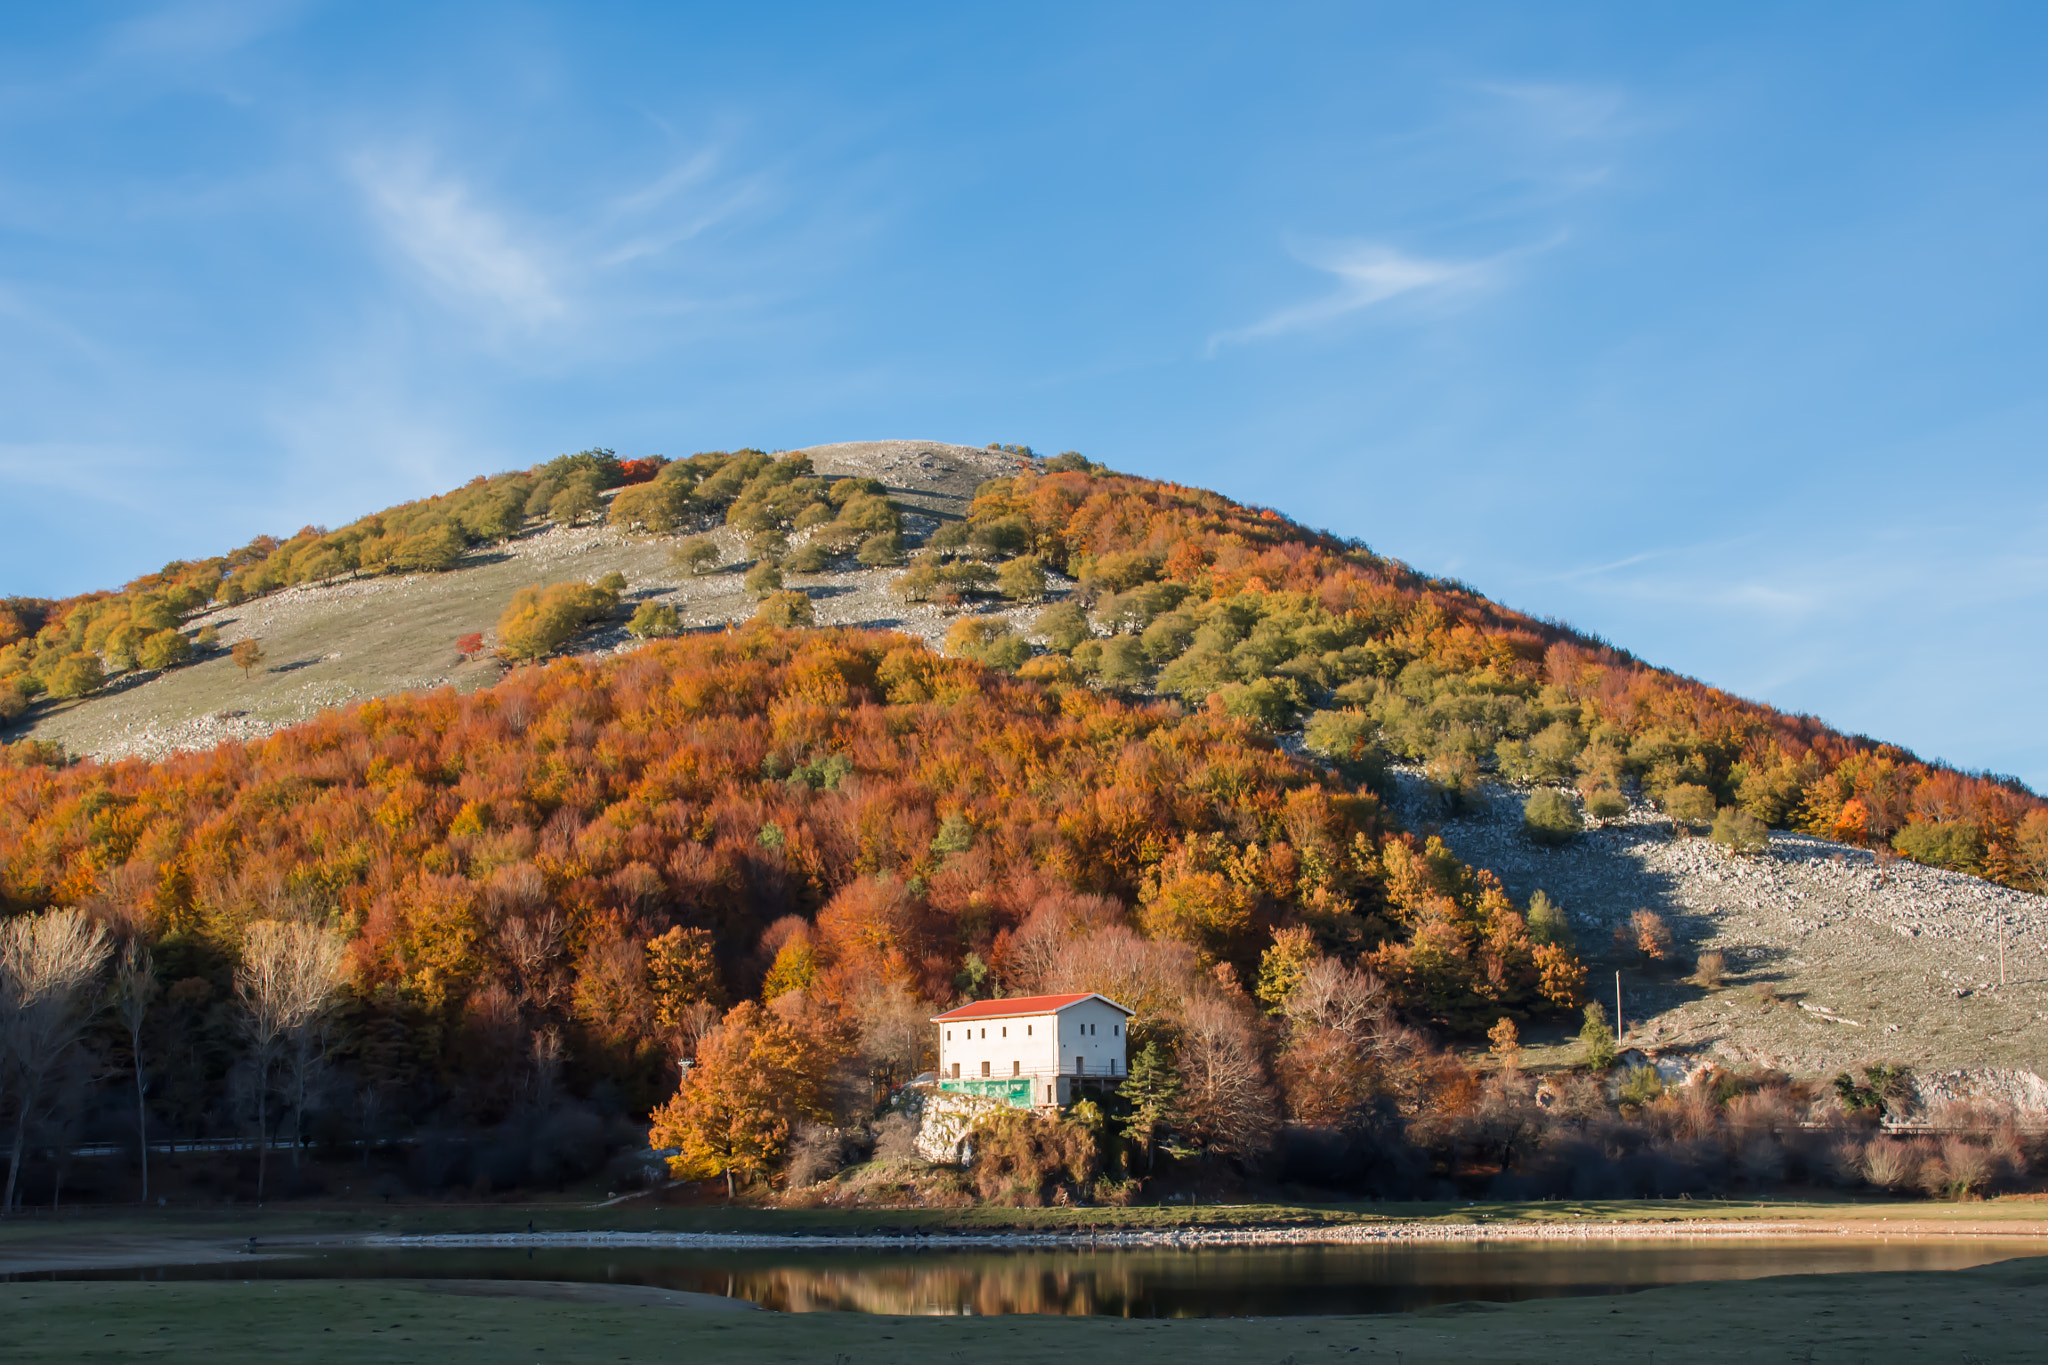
(1717, 330)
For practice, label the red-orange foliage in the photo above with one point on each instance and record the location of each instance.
(630, 797)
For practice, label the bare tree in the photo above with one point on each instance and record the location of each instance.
(48, 964)
(290, 978)
(135, 988)
(1225, 1100)
(1332, 996)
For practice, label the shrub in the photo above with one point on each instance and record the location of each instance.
(166, 649)
(1548, 924)
(1689, 803)
(697, 555)
(13, 701)
(786, 610)
(208, 638)
(986, 640)
(1645, 934)
(537, 622)
(1504, 1040)
(1063, 626)
(1953, 844)
(810, 557)
(764, 578)
(1642, 1086)
(1888, 1163)
(1710, 970)
(1597, 1038)
(1350, 740)
(1740, 832)
(1023, 1158)
(655, 621)
(882, 549)
(1604, 803)
(1550, 817)
(1022, 579)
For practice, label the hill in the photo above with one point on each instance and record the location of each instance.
(1160, 762)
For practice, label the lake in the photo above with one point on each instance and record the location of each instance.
(1146, 1283)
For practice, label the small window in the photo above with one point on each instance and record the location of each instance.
(949, 1035)
(1116, 1030)
(984, 1067)
(956, 1071)
(1016, 1068)
(1006, 1033)
(984, 1033)
(1027, 1030)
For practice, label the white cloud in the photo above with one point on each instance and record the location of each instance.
(1367, 274)
(463, 246)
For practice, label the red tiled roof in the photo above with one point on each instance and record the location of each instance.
(1024, 1004)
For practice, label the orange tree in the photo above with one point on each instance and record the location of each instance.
(755, 1079)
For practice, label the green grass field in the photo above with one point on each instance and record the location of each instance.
(1996, 1313)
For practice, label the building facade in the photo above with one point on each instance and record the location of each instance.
(1034, 1051)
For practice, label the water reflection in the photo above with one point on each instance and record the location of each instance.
(1249, 1282)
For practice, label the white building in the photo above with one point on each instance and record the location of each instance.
(1033, 1051)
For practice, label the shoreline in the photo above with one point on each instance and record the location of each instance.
(1189, 1238)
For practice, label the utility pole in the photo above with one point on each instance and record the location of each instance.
(1617, 1005)
(2001, 951)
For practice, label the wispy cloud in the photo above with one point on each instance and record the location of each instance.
(1367, 274)
(192, 30)
(465, 247)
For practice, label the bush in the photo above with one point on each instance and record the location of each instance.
(166, 649)
(537, 622)
(1642, 1086)
(1645, 934)
(764, 578)
(1710, 970)
(986, 640)
(1022, 1158)
(785, 610)
(1062, 627)
(1953, 844)
(697, 555)
(1548, 925)
(1349, 740)
(655, 621)
(1689, 803)
(1550, 817)
(1604, 802)
(882, 549)
(810, 557)
(13, 701)
(1740, 832)
(1022, 579)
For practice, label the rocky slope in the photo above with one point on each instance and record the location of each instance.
(1832, 960)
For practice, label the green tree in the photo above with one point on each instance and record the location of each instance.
(77, 675)
(1689, 803)
(764, 578)
(1550, 817)
(695, 556)
(1597, 1038)
(1153, 1092)
(577, 501)
(1284, 964)
(166, 649)
(655, 621)
(1740, 832)
(1022, 579)
(786, 610)
(1547, 922)
(537, 622)
(986, 640)
(882, 549)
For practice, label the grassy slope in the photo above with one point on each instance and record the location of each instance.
(1996, 1313)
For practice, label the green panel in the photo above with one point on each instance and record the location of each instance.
(1014, 1091)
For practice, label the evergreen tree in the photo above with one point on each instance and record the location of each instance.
(1153, 1092)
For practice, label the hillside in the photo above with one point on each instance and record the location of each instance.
(1161, 762)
